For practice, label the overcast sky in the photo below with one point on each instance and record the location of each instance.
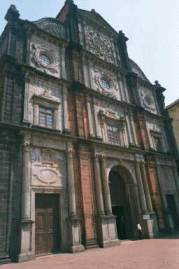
(152, 27)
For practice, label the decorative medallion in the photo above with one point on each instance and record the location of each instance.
(105, 82)
(42, 58)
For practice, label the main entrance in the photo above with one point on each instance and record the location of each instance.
(123, 202)
(47, 223)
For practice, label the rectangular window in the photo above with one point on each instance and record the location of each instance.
(46, 117)
(113, 134)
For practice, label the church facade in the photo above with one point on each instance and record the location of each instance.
(85, 149)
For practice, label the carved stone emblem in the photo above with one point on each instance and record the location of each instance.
(47, 168)
(47, 176)
(99, 44)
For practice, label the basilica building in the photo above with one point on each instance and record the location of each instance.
(85, 144)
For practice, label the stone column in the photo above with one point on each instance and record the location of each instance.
(146, 188)
(141, 189)
(26, 221)
(148, 219)
(75, 225)
(98, 186)
(107, 195)
(107, 233)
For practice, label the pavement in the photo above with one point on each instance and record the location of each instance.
(141, 254)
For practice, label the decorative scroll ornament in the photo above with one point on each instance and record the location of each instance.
(42, 58)
(99, 44)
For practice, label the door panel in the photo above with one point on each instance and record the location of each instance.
(47, 223)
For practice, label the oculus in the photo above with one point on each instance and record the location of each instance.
(104, 82)
(44, 59)
(41, 57)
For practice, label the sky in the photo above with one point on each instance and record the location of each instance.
(152, 27)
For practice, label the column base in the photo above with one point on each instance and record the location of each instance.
(107, 231)
(77, 248)
(26, 253)
(76, 245)
(150, 225)
(24, 257)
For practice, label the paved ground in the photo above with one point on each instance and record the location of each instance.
(143, 254)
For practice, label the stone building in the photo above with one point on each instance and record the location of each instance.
(84, 147)
(173, 114)
(173, 110)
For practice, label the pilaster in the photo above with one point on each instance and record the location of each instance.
(26, 252)
(74, 221)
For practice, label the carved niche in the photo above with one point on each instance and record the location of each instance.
(100, 44)
(48, 168)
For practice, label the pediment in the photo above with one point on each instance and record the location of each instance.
(97, 19)
(52, 26)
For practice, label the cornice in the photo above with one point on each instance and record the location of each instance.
(79, 87)
(32, 70)
(91, 141)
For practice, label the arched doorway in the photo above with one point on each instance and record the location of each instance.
(123, 201)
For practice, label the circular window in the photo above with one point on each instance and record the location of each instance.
(105, 83)
(44, 59)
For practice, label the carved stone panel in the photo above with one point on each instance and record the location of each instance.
(48, 168)
(100, 44)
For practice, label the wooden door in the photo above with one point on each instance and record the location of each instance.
(47, 223)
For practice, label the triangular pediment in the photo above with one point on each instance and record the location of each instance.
(96, 18)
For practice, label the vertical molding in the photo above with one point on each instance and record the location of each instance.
(90, 119)
(26, 99)
(66, 126)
